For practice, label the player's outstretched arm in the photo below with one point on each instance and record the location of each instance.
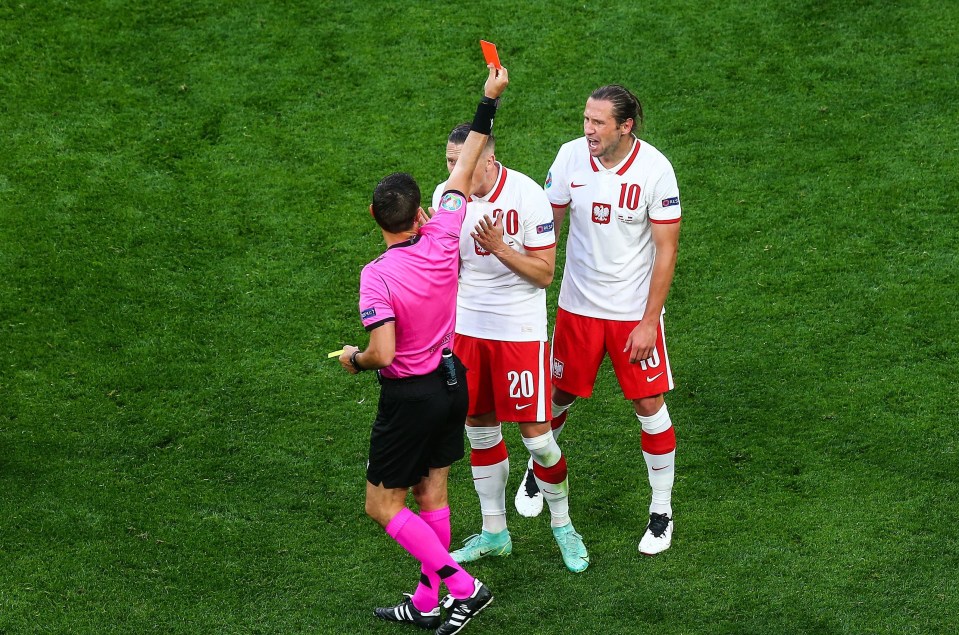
(461, 175)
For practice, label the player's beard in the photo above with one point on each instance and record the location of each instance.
(607, 151)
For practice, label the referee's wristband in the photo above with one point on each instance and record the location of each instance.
(356, 364)
(485, 112)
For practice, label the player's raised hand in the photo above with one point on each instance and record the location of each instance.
(496, 82)
(480, 129)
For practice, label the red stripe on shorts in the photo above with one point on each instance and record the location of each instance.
(662, 443)
(489, 456)
(554, 475)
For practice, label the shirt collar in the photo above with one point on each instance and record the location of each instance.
(493, 194)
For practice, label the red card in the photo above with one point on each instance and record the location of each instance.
(489, 52)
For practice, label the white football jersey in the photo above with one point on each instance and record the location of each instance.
(493, 302)
(610, 251)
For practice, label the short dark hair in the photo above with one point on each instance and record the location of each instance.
(459, 133)
(625, 104)
(396, 200)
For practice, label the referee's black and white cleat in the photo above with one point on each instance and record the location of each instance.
(529, 500)
(462, 611)
(406, 613)
(658, 536)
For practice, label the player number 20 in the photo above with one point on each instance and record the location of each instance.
(520, 384)
(510, 220)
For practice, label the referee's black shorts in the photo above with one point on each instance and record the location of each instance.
(419, 425)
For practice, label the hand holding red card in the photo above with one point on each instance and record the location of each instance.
(489, 52)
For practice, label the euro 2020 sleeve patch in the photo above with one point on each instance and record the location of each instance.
(452, 202)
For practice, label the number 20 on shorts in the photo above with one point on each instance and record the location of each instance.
(520, 384)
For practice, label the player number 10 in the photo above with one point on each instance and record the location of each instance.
(629, 195)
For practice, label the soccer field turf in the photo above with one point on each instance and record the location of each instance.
(183, 217)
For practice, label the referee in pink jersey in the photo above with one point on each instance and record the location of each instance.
(408, 306)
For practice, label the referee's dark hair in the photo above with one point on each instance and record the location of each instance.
(396, 200)
(625, 104)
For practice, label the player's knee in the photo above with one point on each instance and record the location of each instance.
(562, 398)
(648, 406)
(484, 420)
(484, 437)
(536, 429)
(431, 493)
(544, 449)
(430, 499)
(656, 423)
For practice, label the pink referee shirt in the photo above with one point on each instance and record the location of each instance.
(414, 284)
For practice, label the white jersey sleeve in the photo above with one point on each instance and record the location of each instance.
(557, 179)
(537, 219)
(662, 199)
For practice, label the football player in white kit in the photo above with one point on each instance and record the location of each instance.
(624, 217)
(507, 259)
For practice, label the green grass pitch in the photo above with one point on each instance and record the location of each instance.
(183, 195)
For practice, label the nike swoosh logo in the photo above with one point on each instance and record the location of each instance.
(655, 469)
(577, 185)
(480, 478)
(519, 407)
(653, 378)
